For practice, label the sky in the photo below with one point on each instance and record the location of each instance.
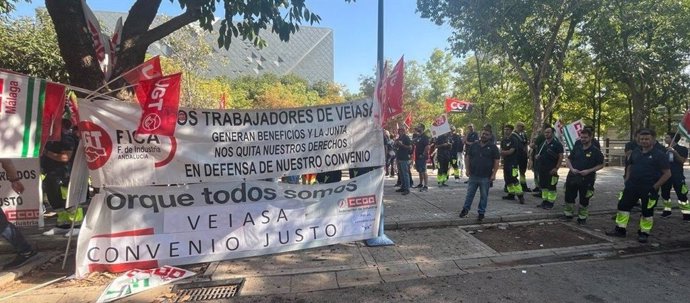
(354, 28)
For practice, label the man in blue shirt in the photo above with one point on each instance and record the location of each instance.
(647, 170)
(481, 164)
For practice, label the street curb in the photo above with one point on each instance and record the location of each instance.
(488, 221)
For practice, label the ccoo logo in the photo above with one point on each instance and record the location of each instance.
(97, 144)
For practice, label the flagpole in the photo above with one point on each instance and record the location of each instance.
(382, 239)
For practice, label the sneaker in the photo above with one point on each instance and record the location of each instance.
(617, 232)
(665, 214)
(73, 233)
(443, 185)
(581, 221)
(480, 217)
(399, 190)
(466, 181)
(405, 192)
(642, 237)
(20, 260)
(508, 197)
(464, 213)
(397, 185)
(56, 231)
(419, 186)
(425, 188)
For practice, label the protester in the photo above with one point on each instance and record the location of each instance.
(390, 154)
(511, 148)
(8, 230)
(481, 164)
(456, 152)
(404, 146)
(647, 170)
(56, 163)
(470, 139)
(548, 157)
(421, 148)
(443, 149)
(677, 155)
(584, 161)
(522, 154)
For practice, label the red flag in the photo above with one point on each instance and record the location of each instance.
(160, 100)
(53, 108)
(456, 106)
(408, 120)
(393, 86)
(150, 69)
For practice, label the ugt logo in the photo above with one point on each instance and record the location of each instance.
(97, 144)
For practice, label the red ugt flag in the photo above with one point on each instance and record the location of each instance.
(160, 100)
(150, 69)
(393, 87)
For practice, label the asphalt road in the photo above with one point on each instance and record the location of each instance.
(653, 278)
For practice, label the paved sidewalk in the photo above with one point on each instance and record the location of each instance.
(431, 240)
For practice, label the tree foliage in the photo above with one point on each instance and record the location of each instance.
(27, 45)
(241, 20)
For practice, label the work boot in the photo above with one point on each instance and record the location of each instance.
(521, 198)
(619, 232)
(547, 205)
(665, 213)
(508, 197)
(525, 188)
(464, 213)
(480, 217)
(642, 237)
(581, 221)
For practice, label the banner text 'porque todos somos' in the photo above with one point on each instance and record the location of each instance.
(151, 226)
(224, 145)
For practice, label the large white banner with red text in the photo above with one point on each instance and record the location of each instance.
(224, 145)
(24, 209)
(147, 227)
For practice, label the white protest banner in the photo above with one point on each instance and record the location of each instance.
(440, 126)
(223, 145)
(151, 226)
(137, 280)
(24, 209)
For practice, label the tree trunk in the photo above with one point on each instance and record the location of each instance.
(76, 46)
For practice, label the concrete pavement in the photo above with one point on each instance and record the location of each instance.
(431, 240)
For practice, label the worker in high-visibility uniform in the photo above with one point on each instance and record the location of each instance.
(677, 154)
(584, 161)
(647, 170)
(548, 157)
(510, 149)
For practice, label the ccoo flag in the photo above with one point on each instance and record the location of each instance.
(30, 110)
(684, 125)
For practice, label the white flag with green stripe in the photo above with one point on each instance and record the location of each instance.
(571, 133)
(29, 110)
